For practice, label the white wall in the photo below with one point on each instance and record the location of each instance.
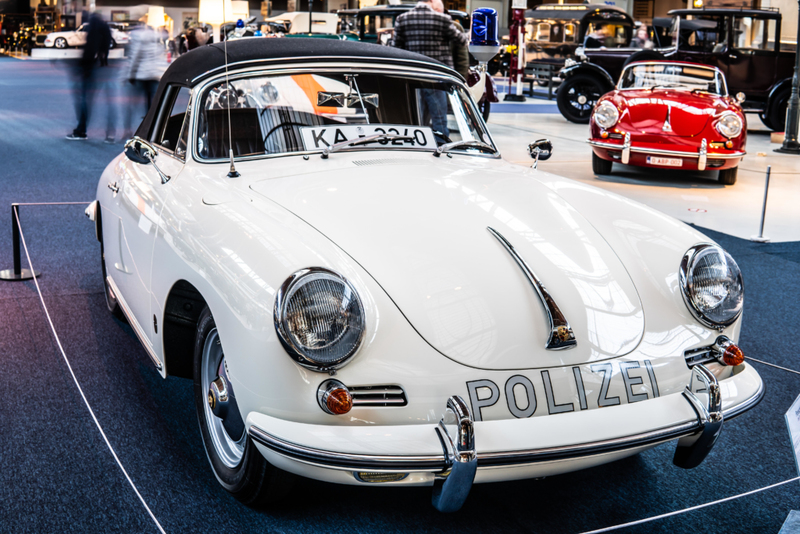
(789, 21)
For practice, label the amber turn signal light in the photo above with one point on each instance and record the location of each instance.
(728, 352)
(334, 397)
(728, 144)
(604, 134)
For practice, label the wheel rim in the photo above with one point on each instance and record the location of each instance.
(229, 451)
(582, 98)
(60, 43)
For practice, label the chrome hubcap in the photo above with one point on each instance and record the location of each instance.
(582, 99)
(229, 450)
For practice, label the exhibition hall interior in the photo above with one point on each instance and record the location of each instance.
(400, 266)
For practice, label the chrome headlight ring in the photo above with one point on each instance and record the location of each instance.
(319, 319)
(711, 285)
(606, 114)
(729, 124)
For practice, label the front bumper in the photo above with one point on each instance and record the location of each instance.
(701, 155)
(512, 449)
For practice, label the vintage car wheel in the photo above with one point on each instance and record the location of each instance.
(577, 96)
(765, 120)
(60, 43)
(600, 165)
(728, 176)
(777, 111)
(237, 464)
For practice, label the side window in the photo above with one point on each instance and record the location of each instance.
(542, 32)
(753, 34)
(173, 126)
(569, 33)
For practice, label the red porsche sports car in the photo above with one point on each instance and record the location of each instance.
(671, 115)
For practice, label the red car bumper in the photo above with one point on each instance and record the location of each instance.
(666, 156)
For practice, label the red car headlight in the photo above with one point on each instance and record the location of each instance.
(606, 114)
(729, 124)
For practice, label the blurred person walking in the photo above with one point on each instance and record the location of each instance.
(424, 31)
(147, 64)
(98, 41)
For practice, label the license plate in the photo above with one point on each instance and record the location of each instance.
(321, 137)
(668, 162)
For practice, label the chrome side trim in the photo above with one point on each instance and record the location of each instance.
(561, 334)
(137, 329)
(346, 461)
(662, 152)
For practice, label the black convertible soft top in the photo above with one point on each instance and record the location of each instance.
(189, 69)
(193, 67)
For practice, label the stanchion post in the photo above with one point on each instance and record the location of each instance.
(760, 237)
(17, 274)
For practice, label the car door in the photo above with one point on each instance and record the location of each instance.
(143, 191)
(753, 55)
(78, 37)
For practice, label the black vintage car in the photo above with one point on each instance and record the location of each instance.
(743, 43)
(375, 24)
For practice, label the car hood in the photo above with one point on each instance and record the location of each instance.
(648, 110)
(419, 227)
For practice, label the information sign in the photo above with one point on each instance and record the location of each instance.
(793, 422)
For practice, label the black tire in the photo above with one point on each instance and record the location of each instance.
(765, 119)
(577, 96)
(111, 300)
(728, 176)
(600, 165)
(776, 115)
(250, 479)
(486, 108)
(643, 55)
(60, 42)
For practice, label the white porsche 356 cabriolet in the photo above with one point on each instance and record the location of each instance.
(323, 236)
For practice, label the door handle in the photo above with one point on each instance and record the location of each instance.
(113, 187)
(734, 57)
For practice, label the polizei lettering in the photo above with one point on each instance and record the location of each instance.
(636, 379)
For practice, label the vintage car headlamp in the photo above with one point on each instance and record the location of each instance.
(319, 318)
(712, 285)
(729, 124)
(606, 114)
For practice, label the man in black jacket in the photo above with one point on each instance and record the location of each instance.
(98, 41)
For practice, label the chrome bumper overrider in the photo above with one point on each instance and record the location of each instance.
(455, 468)
(701, 155)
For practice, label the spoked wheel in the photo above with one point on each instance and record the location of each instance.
(60, 43)
(237, 464)
(577, 96)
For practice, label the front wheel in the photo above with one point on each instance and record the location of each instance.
(60, 43)
(728, 176)
(600, 165)
(777, 111)
(236, 462)
(577, 96)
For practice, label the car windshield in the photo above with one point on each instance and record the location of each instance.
(673, 76)
(305, 112)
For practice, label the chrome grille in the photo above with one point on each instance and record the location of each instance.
(376, 396)
(699, 355)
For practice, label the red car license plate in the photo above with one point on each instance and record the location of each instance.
(669, 162)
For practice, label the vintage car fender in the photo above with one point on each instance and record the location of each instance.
(590, 69)
(778, 88)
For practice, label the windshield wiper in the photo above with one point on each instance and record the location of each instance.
(666, 86)
(447, 147)
(363, 141)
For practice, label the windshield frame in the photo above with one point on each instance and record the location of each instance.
(331, 67)
(717, 72)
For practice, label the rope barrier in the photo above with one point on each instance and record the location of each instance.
(691, 509)
(77, 384)
(773, 365)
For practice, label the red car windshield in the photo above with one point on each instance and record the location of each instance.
(673, 76)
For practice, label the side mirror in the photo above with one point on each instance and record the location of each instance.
(540, 150)
(740, 97)
(140, 151)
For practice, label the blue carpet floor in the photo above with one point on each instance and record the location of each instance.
(56, 474)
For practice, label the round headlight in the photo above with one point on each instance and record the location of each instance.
(319, 318)
(730, 124)
(606, 114)
(712, 285)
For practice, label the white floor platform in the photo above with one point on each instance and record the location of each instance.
(692, 197)
(62, 53)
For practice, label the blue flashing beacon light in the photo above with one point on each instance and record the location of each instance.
(483, 43)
